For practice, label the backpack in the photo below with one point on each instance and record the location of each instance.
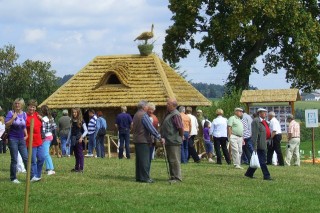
(102, 131)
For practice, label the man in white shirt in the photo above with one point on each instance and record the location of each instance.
(275, 145)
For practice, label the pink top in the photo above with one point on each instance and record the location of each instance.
(294, 129)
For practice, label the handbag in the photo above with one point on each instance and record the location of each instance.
(5, 135)
(254, 162)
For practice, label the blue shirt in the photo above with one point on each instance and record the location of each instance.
(123, 121)
(101, 123)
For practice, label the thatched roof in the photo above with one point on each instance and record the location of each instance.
(113, 81)
(272, 95)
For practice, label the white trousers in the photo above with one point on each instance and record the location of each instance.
(293, 150)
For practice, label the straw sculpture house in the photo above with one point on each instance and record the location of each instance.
(250, 97)
(108, 82)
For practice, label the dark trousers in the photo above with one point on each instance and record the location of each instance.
(124, 137)
(192, 151)
(263, 165)
(3, 146)
(247, 150)
(275, 146)
(222, 141)
(142, 161)
(100, 146)
(78, 154)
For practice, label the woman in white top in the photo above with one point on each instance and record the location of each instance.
(219, 133)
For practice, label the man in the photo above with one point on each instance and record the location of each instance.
(235, 133)
(219, 133)
(275, 143)
(172, 134)
(260, 135)
(193, 133)
(293, 141)
(142, 131)
(64, 128)
(186, 132)
(124, 125)
(91, 132)
(247, 146)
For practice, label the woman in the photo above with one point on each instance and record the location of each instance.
(37, 148)
(101, 128)
(16, 121)
(48, 125)
(76, 135)
(2, 130)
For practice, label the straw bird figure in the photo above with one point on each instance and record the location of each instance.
(145, 35)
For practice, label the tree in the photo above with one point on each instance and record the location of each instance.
(8, 59)
(285, 32)
(31, 79)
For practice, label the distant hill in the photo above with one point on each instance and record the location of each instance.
(209, 90)
(63, 80)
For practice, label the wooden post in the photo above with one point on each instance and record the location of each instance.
(109, 150)
(313, 150)
(26, 201)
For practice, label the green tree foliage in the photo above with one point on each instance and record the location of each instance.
(228, 103)
(31, 79)
(209, 90)
(285, 32)
(8, 59)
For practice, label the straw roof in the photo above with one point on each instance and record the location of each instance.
(272, 95)
(113, 81)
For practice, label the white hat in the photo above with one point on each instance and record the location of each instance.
(199, 110)
(238, 109)
(262, 110)
(65, 112)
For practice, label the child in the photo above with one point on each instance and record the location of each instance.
(48, 125)
(207, 142)
(76, 135)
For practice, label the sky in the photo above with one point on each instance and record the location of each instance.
(70, 33)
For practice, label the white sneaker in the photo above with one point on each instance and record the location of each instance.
(200, 156)
(16, 181)
(238, 167)
(89, 155)
(35, 179)
(210, 160)
(51, 172)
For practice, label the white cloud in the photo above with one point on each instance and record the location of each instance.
(34, 35)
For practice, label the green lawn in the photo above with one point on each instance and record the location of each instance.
(108, 186)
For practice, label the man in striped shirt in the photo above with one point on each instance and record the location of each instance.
(91, 132)
(247, 146)
(293, 141)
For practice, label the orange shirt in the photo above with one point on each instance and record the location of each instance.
(186, 120)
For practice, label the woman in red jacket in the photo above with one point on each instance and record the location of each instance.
(37, 159)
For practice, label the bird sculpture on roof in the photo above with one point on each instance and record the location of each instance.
(145, 35)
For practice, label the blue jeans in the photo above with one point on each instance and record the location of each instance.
(185, 148)
(100, 146)
(16, 145)
(37, 161)
(64, 148)
(124, 138)
(47, 156)
(92, 144)
(262, 160)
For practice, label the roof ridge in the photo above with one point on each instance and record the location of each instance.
(163, 76)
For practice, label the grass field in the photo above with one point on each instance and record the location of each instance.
(108, 185)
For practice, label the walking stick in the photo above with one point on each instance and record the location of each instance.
(166, 160)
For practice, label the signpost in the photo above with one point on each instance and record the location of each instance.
(311, 116)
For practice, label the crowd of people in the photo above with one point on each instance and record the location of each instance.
(237, 137)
